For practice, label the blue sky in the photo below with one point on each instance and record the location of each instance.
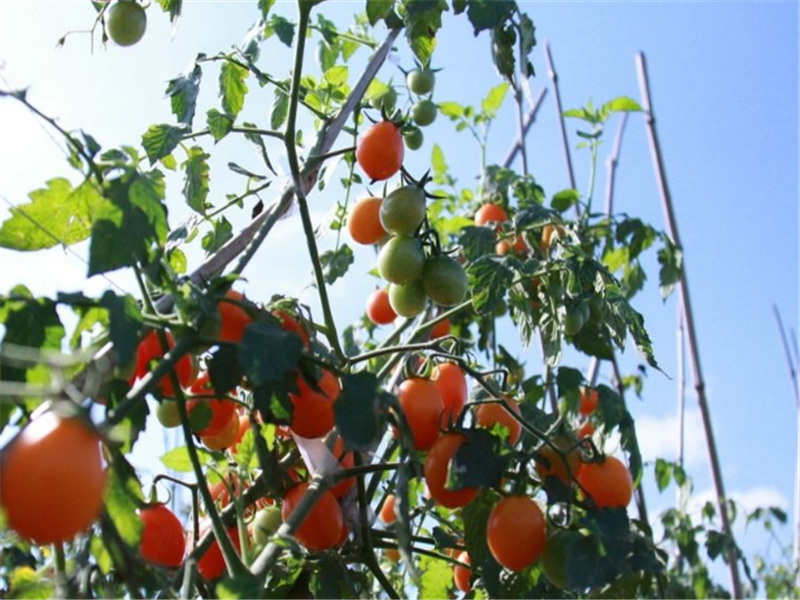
(724, 79)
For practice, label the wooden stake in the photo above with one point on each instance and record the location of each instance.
(688, 319)
(530, 118)
(551, 73)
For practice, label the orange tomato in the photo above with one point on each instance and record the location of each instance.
(52, 479)
(489, 213)
(549, 232)
(516, 532)
(488, 415)
(589, 401)
(163, 538)
(322, 527)
(557, 468)
(150, 351)
(463, 575)
(608, 483)
(233, 318)
(221, 409)
(422, 406)
(387, 514)
(519, 247)
(441, 329)
(437, 465)
(586, 430)
(449, 379)
(225, 438)
(313, 411)
(364, 223)
(379, 309)
(292, 325)
(380, 150)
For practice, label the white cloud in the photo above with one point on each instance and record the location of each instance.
(658, 438)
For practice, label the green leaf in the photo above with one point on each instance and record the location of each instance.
(173, 7)
(132, 219)
(477, 242)
(331, 579)
(337, 76)
(125, 324)
(238, 588)
(335, 263)
(25, 583)
(58, 214)
(476, 517)
(488, 14)
(232, 87)
(195, 182)
(216, 238)
(267, 353)
(663, 474)
(565, 199)
(423, 18)
(438, 163)
(504, 43)
(219, 124)
(280, 109)
(670, 257)
(265, 6)
(360, 410)
(489, 279)
(378, 9)
(281, 27)
(258, 141)
(437, 578)
(478, 462)
(494, 99)
(183, 90)
(160, 140)
(452, 110)
(617, 105)
(122, 495)
(178, 459)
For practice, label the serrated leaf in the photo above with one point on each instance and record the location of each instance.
(378, 9)
(196, 179)
(232, 87)
(182, 92)
(453, 110)
(280, 109)
(436, 579)
(423, 18)
(282, 28)
(219, 235)
(360, 411)
(670, 257)
(617, 105)
(121, 496)
(160, 140)
(267, 353)
(488, 14)
(219, 124)
(335, 263)
(125, 324)
(57, 214)
(178, 459)
(565, 199)
(489, 279)
(494, 99)
(337, 76)
(25, 583)
(477, 242)
(132, 219)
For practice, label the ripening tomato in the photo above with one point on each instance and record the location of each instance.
(422, 406)
(403, 210)
(586, 430)
(380, 150)
(424, 112)
(408, 300)
(208, 416)
(452, 385)
(421, 81)
(516, 532)
(589, 401)
(413, 138)
(557, 467)
(387, 513)
(519, 247)
(379, 309)
(150, 351)
(364, 221)
(463, 575)
(489, 213)
(322, 526)
(441, 329)
(167, 414)
(437, 465)
(445, 280)
(233, 318)
(392, 554)
(212, 565)
(312, 416)
(346, 461)
(265, 524)
(52, 479)
(163, 538)
(126, 22)
(608, 483)
(226, 437)
(489, 415)
(401, 260)
(291, 324)
(549, 234)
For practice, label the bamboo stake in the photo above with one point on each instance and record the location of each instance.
(793, 375)
(530, 118)
(611, 165)
(681, 386)
(551, 73)
(694, 356)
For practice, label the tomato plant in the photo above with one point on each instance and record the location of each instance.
(490, 213)
(364, 222)
(421, 81)
(211, 414)
(424, 112)
(211, 564)
(516, 532)
(401, 260)
(150, 351)
(408, 300)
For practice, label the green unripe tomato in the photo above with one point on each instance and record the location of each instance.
(421, 81)
(266, 523)
(408, 300)
(401, 260)
(445, 280)
(573, 322)
(556, 555)
(403, 210)
(167, 414)
(126, 23)
(424, 112)
(413, 139)
(385, 100)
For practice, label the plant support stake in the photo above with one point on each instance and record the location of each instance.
(688, 320)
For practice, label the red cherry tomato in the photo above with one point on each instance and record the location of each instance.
(488, 415)
(220, 410)
(346, 460)
(379, 309)
(516, 532)
(462, 575)
(313, 411)
(441, 329)
(387, 510)
(322, 527)
(452, 385)
(212, 565)
(291, 324)
(163, 538)
(589, 401)
(489, 213)
(233, 318)
(380, 150)
(150, 351)
(437, 465)
(608, 483)
(422, 406)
